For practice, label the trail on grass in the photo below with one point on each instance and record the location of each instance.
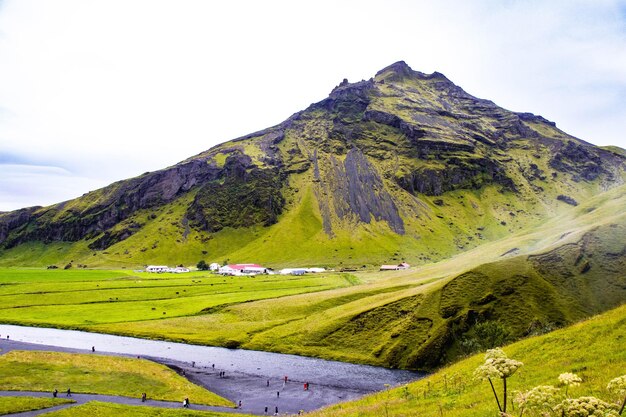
(83, 398)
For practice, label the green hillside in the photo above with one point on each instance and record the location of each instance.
(551, 275)
(593, 349)
(403, 166)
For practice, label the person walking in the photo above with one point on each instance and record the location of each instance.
(265, 413)
(68, 393)
(55, 393)
(268, 382)
(143, 397)
(276, 411)
(277, 394)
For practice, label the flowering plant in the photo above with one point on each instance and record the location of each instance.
(585, 407)
(569, 379)
(497, 365)
(618, 386)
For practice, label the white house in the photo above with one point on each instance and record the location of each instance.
(243, 269)
(292, 271)
(300, 271)
(214, 266)
(157, 268)
(398, 267)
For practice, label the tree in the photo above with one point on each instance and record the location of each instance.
(202, 265)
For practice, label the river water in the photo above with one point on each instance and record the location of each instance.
(265, 365)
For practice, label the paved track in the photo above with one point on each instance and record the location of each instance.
(83, 398)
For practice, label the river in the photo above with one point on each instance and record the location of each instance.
(334, 381)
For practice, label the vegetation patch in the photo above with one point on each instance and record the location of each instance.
(101, 409)
(591, 349)
(97, 374)
(11, 405)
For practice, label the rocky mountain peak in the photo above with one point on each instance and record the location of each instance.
(398, 69)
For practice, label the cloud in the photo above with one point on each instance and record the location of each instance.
(111, 89)
(29, 185)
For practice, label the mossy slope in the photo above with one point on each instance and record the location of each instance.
(403, 166)
(593, 349)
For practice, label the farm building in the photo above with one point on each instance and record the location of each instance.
(165, 268)
(398, 267)
(214, 267)
(243, 269)
(300, 271)
(157, 268)
(292, 271)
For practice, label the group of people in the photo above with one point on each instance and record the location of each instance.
(68, 393)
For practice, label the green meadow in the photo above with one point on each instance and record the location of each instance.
(98, 374)
(566, 269)
(100, 409)
(12, 405)
(87, 297)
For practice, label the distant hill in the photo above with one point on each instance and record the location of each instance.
(403, 166)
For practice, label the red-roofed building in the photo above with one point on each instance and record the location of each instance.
(399, 267)
(243, 269)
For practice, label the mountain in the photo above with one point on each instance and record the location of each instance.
(403, 166)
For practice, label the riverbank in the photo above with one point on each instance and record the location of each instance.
(251, 388)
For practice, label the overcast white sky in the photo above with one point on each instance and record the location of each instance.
(96, 91)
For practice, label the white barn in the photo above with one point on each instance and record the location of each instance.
(157, 268)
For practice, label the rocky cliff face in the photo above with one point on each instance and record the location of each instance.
(382, 151)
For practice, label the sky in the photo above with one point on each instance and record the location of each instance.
(95, 91)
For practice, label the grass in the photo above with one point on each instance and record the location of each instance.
(97, 374)
(100, 409)
(389, 319)
(11, 405)
(82, 298)
(593, 349)
(561, 271)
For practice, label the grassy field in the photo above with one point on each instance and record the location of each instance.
(100, 409)
(86, 297)
(564, 270)
(593, 349)
(97, 374)
(11, 405)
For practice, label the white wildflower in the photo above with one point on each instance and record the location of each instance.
(585, 407)
(497, 365)
(618, 385)
(570, 379)
(543, 397)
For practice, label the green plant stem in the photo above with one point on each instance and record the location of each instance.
(621, 410)
(494, 394)
(504, 384)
